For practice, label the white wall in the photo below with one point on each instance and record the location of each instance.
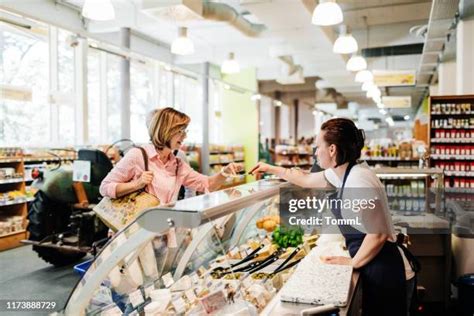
(306, 121)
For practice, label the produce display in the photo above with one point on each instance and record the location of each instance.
(285, 237)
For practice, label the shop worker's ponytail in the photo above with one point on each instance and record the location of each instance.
(348, 139)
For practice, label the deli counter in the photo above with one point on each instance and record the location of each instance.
(215, 254)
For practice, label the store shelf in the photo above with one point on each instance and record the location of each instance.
(48, 159)
(10, 160)
(14, 180)
(220, 152)
(224, 163)
(294, 165)
(457, 157)
(452, 127)
(451, 114)
(389, 159)
(293, 154)
(459, 190)
(17, 201)
(12, 240)
(459, 173)
(453, 140)
(13, 233)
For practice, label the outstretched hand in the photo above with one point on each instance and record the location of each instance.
(261, 167)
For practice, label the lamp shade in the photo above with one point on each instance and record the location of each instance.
(363, 76)
(366, 86)
(230, 66)
(356, 63)
(345, 43)
(327, 13)
(98, 10)
(374, 93)
(182, 45)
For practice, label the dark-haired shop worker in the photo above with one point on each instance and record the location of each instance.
(387, 276)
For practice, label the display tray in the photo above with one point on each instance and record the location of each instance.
(318, 280)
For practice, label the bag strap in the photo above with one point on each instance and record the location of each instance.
(145, 156)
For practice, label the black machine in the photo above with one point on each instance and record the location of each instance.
(62, 230)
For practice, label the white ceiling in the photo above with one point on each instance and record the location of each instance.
(288, 24)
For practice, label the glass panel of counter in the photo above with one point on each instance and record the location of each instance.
(193, 257)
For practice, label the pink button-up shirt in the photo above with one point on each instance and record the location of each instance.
(166, 179)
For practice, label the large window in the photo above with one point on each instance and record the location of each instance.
(114, 122)
(39, 93)
(164, 87)
(65, 98)
(188, 99)
(141, 99)
(24, 106)
(94, 95)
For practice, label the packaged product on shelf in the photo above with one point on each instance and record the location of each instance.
(10, 152)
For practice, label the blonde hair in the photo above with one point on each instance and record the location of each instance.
(164, 124)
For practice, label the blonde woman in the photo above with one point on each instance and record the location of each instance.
(167, 173)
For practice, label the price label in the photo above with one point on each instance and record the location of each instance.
(148, 290)
(179, 305)
(81, 171)
(190, 295)
(167, 279)
(136, 298)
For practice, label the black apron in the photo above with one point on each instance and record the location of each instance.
(383, 278)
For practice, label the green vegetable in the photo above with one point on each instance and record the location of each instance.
(285, 237)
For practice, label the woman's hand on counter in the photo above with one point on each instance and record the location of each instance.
(347, 261)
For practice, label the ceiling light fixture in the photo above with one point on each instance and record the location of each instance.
(98, 10)
(278, 103)
(345, 43)
(374, 93)
(356, 63)
(390, 121)
(406, 117)
(377, 99)
(182, 45)
(363, 76)
(230, 66)
(366, 86)
(327, 13)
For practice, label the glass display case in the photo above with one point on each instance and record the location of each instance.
(175, 260)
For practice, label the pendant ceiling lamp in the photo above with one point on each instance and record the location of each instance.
(230, 66)
(356, 63)
(366, 86)
(363, 76)
(374, 93)
(377, 99)
(327, 13)
(98, 10)
(182, 45)
(345, 43)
